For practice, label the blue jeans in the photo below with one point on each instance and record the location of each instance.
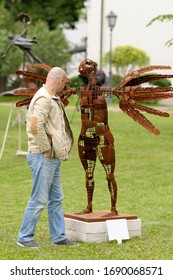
(46, 192)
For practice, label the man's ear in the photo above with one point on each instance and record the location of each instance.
(61, 80)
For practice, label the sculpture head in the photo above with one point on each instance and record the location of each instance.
(10, 36)
(87, 67)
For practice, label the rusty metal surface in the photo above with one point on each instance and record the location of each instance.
(95, 139)
(98, 216)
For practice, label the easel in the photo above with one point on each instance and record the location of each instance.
(19, 151)
(6, 131)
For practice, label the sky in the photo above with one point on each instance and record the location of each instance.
(132, 18)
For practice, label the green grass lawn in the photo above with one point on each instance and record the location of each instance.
(144, 165)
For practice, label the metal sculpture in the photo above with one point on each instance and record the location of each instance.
(95, 139)
(23, 43)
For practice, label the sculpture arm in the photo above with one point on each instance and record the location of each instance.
(66, 94)
(23, 34)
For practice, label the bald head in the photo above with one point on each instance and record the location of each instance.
(57, 73)
(56, 80)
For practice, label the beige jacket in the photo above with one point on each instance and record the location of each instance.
(48, 126)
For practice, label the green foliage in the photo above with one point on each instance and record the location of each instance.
(116, 79)
(53, 12)
(5, 23)
(52, 47)
(126, 58)
(163, 18)
(5, 18)
(144, 177)
(169, 43)
(162, 83)
(76, 82)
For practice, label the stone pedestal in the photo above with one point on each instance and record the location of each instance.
(92, 227)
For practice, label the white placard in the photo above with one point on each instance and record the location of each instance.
(117, 230)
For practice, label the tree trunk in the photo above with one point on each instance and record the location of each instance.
(3, 81)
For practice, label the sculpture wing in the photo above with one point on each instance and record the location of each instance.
(32, 76)
(148, 78)
(129, 94)
(45, 67)
(144, 94)
(138, 117)
(132, 75)
(24, 102)
(29, 92)
(25, 92)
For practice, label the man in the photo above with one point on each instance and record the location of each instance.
(50, 140)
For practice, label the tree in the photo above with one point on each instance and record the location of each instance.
(5, 20)
(52, 47)
(54, 12)
(162, 83)
(126, 58)
(163, 18)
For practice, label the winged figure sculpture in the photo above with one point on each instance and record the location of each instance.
(95, 139)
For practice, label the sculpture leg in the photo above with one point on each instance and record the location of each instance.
(87, 154)
(106, 154)
(112, 186)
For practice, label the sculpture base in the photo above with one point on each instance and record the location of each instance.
(98, 216)
(92, 227)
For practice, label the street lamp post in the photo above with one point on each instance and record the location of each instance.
(111, 18)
